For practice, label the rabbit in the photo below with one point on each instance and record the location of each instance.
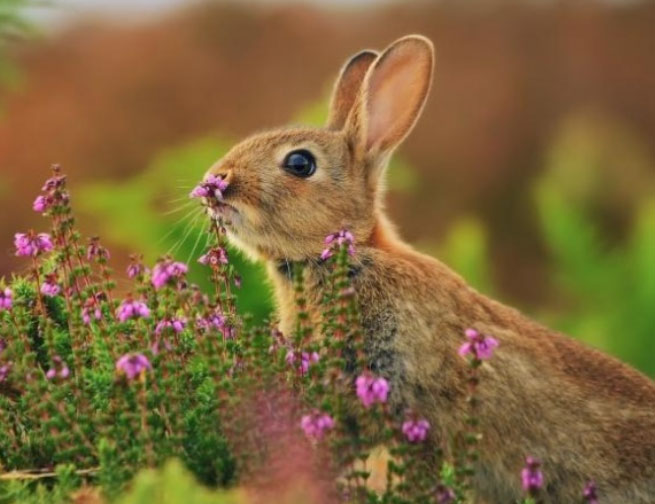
(584, 414)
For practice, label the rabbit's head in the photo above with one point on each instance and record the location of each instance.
(291, 187)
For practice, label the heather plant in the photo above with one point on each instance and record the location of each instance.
(95, 387)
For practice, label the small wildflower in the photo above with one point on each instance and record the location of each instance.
(416, 430)
(212, 187)
(176, 325)
(445, 495)
(91, 307)
(165, 271)
(136, 267)
(589, 493)
(342, 237)
(306, 360)
(6, 299)
(54, 183)
(237, 281)
(532, 479)
(214, 320)
(133, 365)
(316, 424)
(4, 371)
(214, 257)
(32, 244)
(97, 251)
(50, 287)
(371, 390)
(42, 203)
(59, 369)
(480, 346)
(132, 309)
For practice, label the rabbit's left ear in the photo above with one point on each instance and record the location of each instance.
(392, 96)
(346, 89)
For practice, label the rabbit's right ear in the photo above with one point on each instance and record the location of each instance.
(346, 89)
(391, 97)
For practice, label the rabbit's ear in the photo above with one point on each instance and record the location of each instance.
(392, 96)
(346, 89)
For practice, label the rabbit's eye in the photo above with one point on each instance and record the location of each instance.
(300, 163)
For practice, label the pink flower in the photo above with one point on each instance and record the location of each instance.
(337, 240)
(91, 306)
(371, 390)
(133, 365)
(212, 321)
(480, 346)
(532, 479)
(416, 430)
(49, 287)
(42, 203)
(97, 251)
(135, 268)
(59, 369)
(31, 244)
(316, 424)
(6, 299)
(306, 360)
(589, 493)
(4, 371)
(212, 187)
(131, 309)
(445, 495)
(167, 270)
(176, 325)
(54, 183)
(214, 257)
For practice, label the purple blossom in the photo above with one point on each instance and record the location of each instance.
(97, 251)
(214, 257)
(532, 479)
(42, 203)
(6, 298)
(176, 325)
(131, 309)
(237, 281)
(87, 311)
(589, 493)
(31, 244)
(371, 390)
(316, 424)
(416, 430)
(167, 270)
(338, 239)
(4, 371)
(213, 320)
(59, 369)
(54, 183)
(212, 187)
(49, 287)
(133, 365)
(306, 360)
(445, 495)
(135, 268)
(480, 346)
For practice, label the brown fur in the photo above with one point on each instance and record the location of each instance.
(586, 415)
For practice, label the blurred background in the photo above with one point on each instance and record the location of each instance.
(531, 172)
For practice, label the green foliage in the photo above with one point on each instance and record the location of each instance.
(173, 484)
(605, 284)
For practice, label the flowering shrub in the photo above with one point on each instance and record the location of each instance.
(94, 387)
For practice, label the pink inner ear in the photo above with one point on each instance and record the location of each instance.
(396, 91)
